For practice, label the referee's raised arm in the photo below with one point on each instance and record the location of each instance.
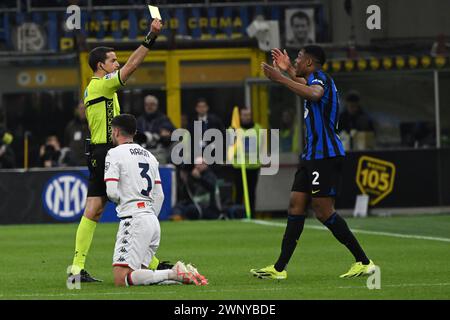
(139, 54)
(102, 105)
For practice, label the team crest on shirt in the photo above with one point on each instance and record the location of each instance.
(305, 115)
(107, 166)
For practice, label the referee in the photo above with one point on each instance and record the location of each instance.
(102, 105)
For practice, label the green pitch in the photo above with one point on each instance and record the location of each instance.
(34, 259)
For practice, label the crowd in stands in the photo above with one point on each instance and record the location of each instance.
(199, 192)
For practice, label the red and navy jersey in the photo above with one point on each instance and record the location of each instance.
(321, 120)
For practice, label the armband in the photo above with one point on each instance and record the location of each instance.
(149, 40)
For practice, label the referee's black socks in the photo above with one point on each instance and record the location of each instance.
(342, 232)
(292, 233)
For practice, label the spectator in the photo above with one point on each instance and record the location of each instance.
(209, 121)
(52, 155)
(252, 144)
(354, 117)
(289, 132)
(151, 122)
(7, 156)
(75, 135)
(200, 199)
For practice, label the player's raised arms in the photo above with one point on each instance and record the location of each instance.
(282, 61)
(313, 93)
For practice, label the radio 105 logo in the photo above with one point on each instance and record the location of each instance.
(375, 177)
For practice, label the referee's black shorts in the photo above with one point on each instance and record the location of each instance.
(96, 165)
(319, 178)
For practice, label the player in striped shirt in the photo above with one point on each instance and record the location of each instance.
(317, 178)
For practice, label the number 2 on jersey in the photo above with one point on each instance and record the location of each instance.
(144, 174)
(316, 178)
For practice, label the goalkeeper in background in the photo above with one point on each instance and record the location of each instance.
(102, 105)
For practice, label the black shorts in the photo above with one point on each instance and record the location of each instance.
(319, 178)
(96, 165)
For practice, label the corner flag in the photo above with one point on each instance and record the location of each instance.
(236, 125)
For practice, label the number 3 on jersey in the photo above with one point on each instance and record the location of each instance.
(144, 174)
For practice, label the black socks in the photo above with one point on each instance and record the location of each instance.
(341, 231)
(292, 233)
(334, 223)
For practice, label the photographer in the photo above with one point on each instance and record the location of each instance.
(52, 155)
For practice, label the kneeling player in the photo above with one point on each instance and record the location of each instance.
(133, 182)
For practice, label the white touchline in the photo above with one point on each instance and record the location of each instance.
(376, 233)
(81, 293)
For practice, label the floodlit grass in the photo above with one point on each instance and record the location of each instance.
(34, 259)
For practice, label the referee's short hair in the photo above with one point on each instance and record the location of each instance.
(98, 55)
(126, 123)
(316, 52)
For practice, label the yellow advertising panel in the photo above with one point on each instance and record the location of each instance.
(375, 177)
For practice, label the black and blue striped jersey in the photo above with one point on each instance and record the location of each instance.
(321, 120)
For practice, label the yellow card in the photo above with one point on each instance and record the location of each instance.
(154, 12)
